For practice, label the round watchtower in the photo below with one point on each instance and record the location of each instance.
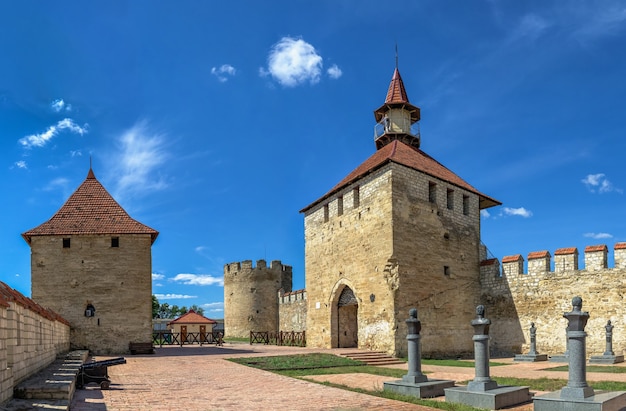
(251, 296)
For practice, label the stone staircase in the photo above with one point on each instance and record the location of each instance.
(373, 357)
(51, 388)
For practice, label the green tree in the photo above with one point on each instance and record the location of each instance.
(197, 309)
(155, 306)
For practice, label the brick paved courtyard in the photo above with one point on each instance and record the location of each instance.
(200, 378)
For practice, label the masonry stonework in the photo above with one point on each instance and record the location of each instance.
(30, 339)
(516, 298)
(116, 281)
(251, 296)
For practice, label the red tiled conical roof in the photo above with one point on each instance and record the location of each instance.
(90, 210)
(411, 157)
(396, 96)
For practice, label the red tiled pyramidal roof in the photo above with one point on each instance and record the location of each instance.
(192, 317)
(400, 153)
(90, 210)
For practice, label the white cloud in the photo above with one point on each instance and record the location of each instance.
(60, 105)
(199, 279)
(141, 154)
(76, 153)
(334, 71)
(21, 164)
(41, 139)
(598, 236)
(57, 183)
(223, 72)
(156, 276)
(174, 296)
(214, 307)
(292, 62)
(485, 214)
(521, 212)
(599, 182)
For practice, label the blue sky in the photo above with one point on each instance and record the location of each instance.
(216, 122)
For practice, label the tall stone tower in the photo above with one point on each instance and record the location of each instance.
(251, 296)
(92, 264)
(400, 231)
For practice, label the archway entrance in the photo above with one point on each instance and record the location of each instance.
(347, 320)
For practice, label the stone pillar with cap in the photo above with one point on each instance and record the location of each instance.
(414, 326)
(482, 381)
(577, 386)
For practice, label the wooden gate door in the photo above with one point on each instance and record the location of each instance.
(202, 334)
(183, 334)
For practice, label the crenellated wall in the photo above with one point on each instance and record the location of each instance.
(30, 338)
(250, 296)
(515, 298)
(292, 308)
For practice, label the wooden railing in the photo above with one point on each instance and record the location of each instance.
(162, 338)
(290, 338)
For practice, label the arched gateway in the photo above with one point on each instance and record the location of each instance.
(345, 315)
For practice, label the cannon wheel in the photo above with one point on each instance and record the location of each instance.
(104, 385)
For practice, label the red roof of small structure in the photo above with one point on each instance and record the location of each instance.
(397, 96)
(400, 153)
(90, 210)
(192, 317)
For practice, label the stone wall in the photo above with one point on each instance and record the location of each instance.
(515, 298)
(349, 243)
(30, 338)
(436, 261)
(250, 296)
(292, 311)
(410, 241)
(116, 281)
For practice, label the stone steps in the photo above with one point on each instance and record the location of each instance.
(373, 357)
(51, 388)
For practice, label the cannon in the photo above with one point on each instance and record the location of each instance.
(98, 372)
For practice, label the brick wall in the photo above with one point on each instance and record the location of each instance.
(30, 338)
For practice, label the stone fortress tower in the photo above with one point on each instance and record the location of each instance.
(251, 296)
(92, 264)
(400, 231)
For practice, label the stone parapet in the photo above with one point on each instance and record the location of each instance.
(31, 337)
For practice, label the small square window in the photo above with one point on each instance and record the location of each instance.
(115, 241)
(446, 270)
(66, 243)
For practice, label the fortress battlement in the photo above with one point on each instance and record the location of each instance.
(247, 267)
(289, 297)
(539, 263)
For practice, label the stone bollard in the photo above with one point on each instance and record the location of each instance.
(533, 339)
(482, 381)
(577, 386)
(609, 338)
(414, 383)
(577, 394)
(414, 326)
(483, 392)
(532, 355)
